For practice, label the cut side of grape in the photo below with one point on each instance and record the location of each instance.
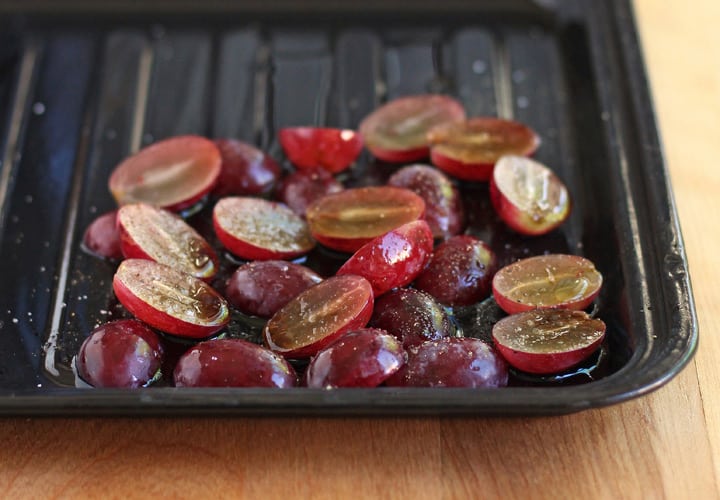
(396, 132)
(347, 220)
(175, 173)
(299, 189)
(412, 316)
(102, 237)
(233, 363)
(169, 300)
(124, 353)
(257, 229)
(554, 281)
(319, 315)
(469, 149)
(528, 196)
(361, 358)
(331, 149)
(262, 288)
(157, 234)
(245, 170)
(443, 203)
(547, 341)
(460, 272)
(452, 362)
(393, 259)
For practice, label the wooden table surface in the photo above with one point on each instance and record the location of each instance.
(664, 445)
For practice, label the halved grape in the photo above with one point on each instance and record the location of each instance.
(174, 174)
(412, 316)
(123, 353)
(554, 281)
(469, 149)
(443, 203)
(396, 132)
(257, 229)
(528, 196)
(102, 237)
(331, 149)
(319, 315)
(233, 363)
(547, 341)
(152, 233)
(361, 358)
(393, 259)
(452, 362)
(347, 220)
(299, 189)
(460, 272)
(262, 288)
(245, 169)
(169, 300)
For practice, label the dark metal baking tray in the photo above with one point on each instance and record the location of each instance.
(82, 84)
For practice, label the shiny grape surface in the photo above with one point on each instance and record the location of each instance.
(452, 362)
(245, 170)
(361, 358)
(261, 288)
(233, 363)
(412, 316)
(123, 353)
(460, 272)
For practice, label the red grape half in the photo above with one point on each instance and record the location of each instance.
(394, 259)
(169, 300)
(347, 220)
(396, 132)
(257, 229)
(174, 173)
(547, 341)
(469, 149)
(528, 196)
(152, 233)
(319, 315)
(555, 281)
(331, 149)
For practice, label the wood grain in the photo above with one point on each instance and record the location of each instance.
(665, 445)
